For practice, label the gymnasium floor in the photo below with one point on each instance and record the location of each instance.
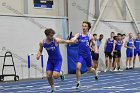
(109, 82)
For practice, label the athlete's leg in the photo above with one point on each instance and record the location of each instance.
(139, 55)
(92, 70)
(56, 75)
(107, 63)
(57, 72)
(128, 55)
(127, 60)
(53, 71)
(89, 65)
(130, 63)
(119, 60)
(94, 57)
(116, 64)
(95, 65)
(50, 79)
(130, 60)
(78, 74)
(106, 59)
(119, 65)
(110, 64)
(49, 73)
(96, 60)
(134, 59)
(114, 60)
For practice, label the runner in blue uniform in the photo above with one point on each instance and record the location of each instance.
(137, 50)
(109, 51)
(54, 63)
(84, 54)
(129, 44)
(117, 52)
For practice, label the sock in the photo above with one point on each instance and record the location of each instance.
(53, 87)
(60, 73)
(78, 81)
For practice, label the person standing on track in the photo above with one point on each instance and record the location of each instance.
(117, 52)
(94, 47)
(54, 63)
(84, 54)
(137, 49)
(129, 44)
(109, 51)
(94, 52)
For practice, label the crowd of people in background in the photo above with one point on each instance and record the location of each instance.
(112, 50)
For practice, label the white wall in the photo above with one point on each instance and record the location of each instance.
(21, 35)
(77, 12)
(27, 5)
(16, 4)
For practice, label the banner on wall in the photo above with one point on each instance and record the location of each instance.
(43, 4)
(72, 51)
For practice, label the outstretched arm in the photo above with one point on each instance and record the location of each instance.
(73, 40)
(39, 50)
(59, 40)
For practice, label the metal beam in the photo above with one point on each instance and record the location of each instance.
(94, 26)
(66, 8)
(97, 8)
(124, 10)
(25, 6)
(132, 16)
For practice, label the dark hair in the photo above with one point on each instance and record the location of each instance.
(123, 34)
(115, 37)
(94, 34)
(119, 34)
(89, 24)
(49, 31)
(101, 35)
(138, 33)
(112, 32)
